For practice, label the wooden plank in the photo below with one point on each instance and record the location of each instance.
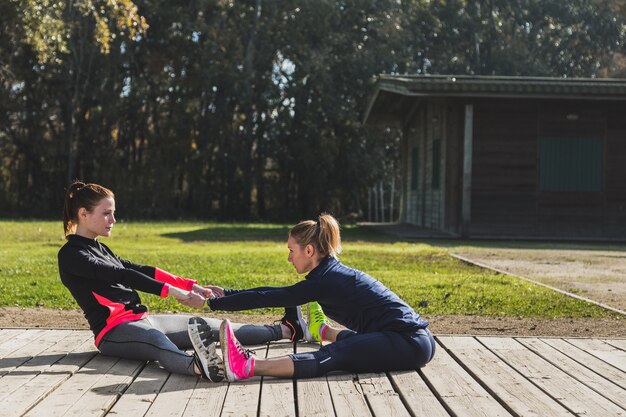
(207, 399)
(99, 399)
(44, 359)
(602, 350)
(380, 395)
(618, 343)
(597, 365)
(314, 398)
(416, 395)
(461, 394)
(572, 394)
(277, 394)
(347, 395)
(512, 389)
(35, 390)
(7, 334)
(242, 397)
(18, 357)
(174, 396)
(18, 341)
(90, 391)
(591, 379)
(141, 394)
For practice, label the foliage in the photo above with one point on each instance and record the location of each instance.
(249, 109)
(48, 24)
(238, 255)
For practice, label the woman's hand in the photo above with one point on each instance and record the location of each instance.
(178, 293)
(194, 300)
(203, 291)
(189, 298)
(208, 291)
(216, 292)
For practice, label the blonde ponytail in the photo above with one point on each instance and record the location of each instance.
(324, 234)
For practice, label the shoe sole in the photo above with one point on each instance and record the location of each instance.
(230, 376)
(210, 367)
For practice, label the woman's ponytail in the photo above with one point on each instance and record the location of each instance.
(329, 238)
(69, 217)
(324, 234)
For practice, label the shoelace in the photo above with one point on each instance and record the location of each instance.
(318, 316)
(245, 352)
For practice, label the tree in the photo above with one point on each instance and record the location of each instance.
(249, 109)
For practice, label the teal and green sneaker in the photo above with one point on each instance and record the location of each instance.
(318, 323)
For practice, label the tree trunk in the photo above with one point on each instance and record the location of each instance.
(249, 112)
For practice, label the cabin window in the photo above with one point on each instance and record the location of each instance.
(414, 168)
(570, 164)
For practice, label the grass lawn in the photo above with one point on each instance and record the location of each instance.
(248, 255)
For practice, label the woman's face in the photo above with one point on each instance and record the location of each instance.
(302, 258)
(98, 222)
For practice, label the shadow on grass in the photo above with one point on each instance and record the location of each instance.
(274, 233)
(234, 233)
(353, 233)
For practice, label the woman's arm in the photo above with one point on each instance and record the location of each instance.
(160, 274)
(297, 294)
(83, 264)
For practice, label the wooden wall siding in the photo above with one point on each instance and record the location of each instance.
(572, 214)
(425, 204)
(615, 170)
(435, 120)
(423, 151)
(504, 169)
(506, 198)
(413, 190)
(415, 138)
(453, 167)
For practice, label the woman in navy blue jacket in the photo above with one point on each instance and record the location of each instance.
(383, 332)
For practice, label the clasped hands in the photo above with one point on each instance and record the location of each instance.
(197, 296)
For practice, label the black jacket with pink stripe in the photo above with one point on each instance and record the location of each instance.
(104, 285)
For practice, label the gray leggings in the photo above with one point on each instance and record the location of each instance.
(164, 338)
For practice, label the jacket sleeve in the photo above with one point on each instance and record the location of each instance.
(144, 269)
(178, 282)
(294, 295)
(83, 264)
(158, 274)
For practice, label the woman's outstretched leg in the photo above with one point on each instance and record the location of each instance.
(369, 352)
(174, 326)
(140, 340)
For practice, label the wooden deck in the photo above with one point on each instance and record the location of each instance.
(58, 373)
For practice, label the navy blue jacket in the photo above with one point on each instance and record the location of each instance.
(348, 296)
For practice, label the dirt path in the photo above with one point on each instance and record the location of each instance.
(471, 325)
(599, 275)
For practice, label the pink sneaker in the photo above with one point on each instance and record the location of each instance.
(238, 363)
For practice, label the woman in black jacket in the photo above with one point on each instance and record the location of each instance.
(105, 287)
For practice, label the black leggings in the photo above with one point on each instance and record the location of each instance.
(367, 352)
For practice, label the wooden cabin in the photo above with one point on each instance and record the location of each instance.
(509, 157)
